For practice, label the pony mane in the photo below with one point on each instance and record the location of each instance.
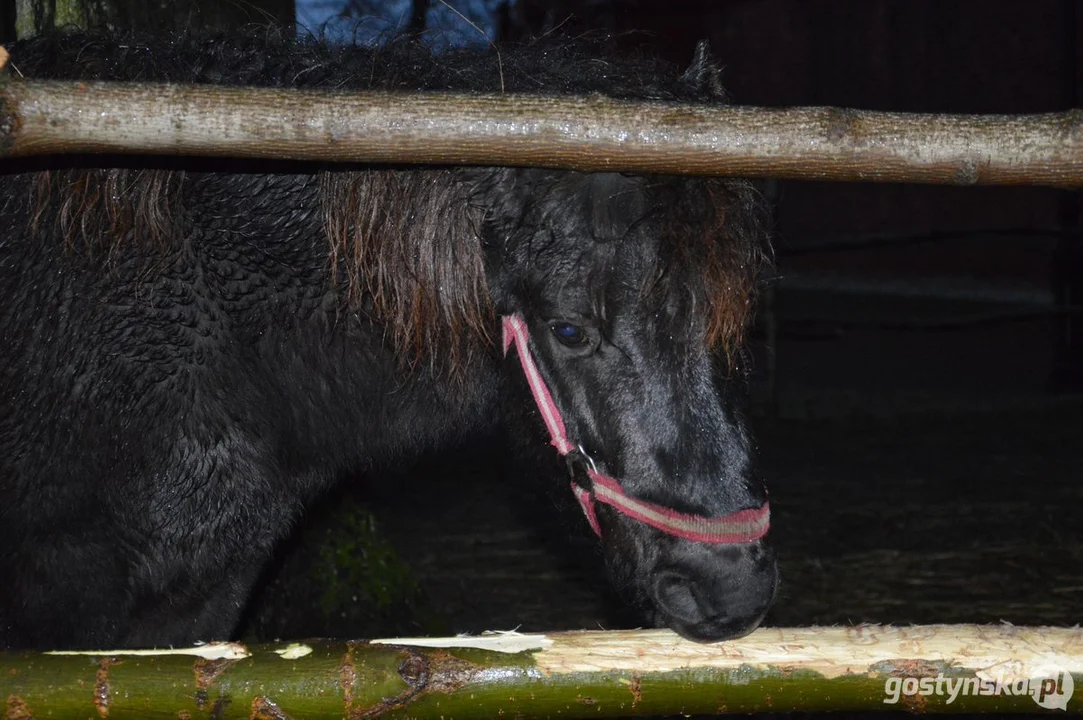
(118, 203)
(420, 273)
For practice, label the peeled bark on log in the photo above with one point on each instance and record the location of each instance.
(579, 133)
(570, 675)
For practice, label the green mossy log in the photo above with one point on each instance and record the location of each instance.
(565, 675)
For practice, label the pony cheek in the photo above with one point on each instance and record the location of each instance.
(627, 554)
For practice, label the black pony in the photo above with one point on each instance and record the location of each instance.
(195, 349)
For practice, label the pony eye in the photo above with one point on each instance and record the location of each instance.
(570, 335)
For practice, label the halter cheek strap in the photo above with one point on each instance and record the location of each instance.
(744, 526)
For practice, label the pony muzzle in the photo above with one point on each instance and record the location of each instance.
(713, 592)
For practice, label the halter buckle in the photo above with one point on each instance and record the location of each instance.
(580, 458)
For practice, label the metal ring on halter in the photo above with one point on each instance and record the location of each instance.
(586, 456)
(576, 457)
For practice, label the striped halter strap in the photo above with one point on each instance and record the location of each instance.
(743, 526)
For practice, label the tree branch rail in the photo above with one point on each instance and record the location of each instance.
(587, 133)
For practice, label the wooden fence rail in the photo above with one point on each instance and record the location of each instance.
(579, 133)
(942, 668)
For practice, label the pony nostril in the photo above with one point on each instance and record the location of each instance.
(717, 605)
(677, 597)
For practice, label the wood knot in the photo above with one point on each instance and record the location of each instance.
(841, 123)
(414, 670)
(968, 173)
(17, 709)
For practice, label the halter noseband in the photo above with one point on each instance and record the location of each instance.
(744, 526)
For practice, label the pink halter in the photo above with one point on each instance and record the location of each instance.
(743, 526)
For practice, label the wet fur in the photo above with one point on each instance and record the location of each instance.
(197, 348)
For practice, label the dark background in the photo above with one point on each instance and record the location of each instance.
(919, 351)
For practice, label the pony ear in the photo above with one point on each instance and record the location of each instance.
(703, 78)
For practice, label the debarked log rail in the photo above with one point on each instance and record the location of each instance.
(940, 668)
(590, 133)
